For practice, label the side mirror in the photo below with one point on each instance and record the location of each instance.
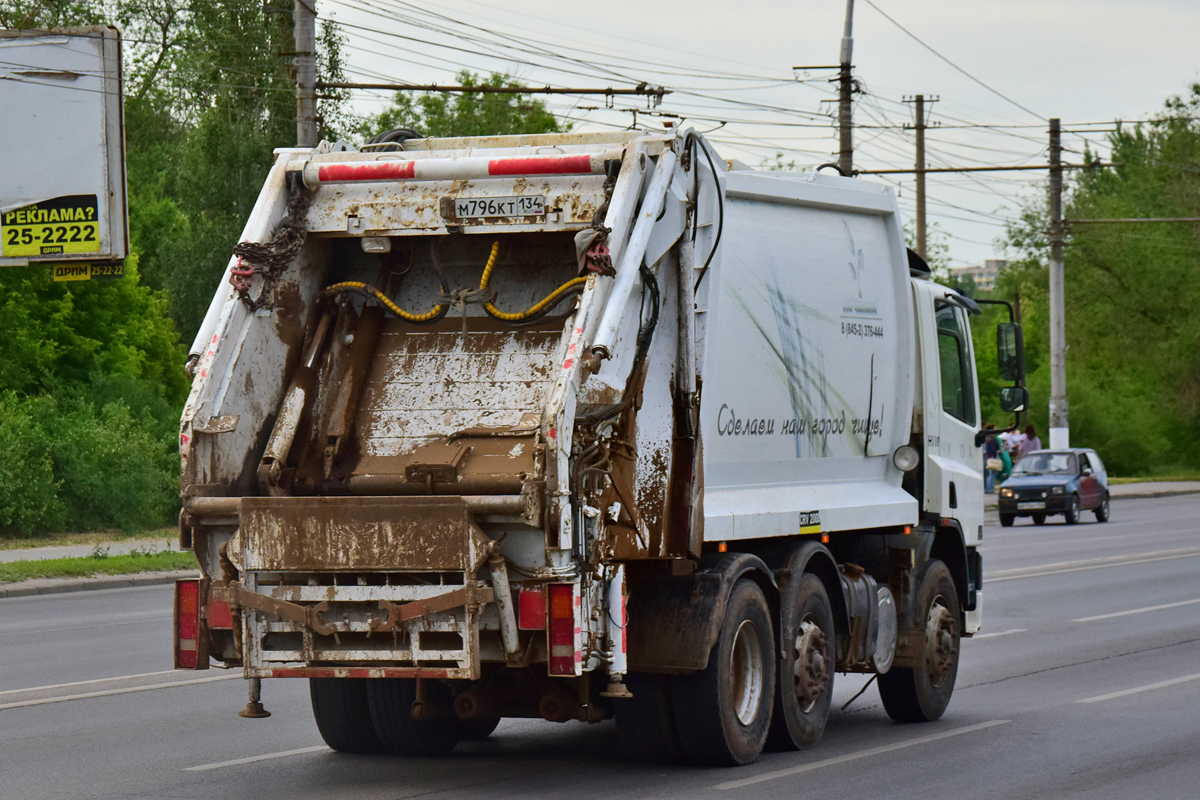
(1010, 352)
(1014, 398)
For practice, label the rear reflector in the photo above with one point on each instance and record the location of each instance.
(531, 611)
(187, 624)
(562, 629)
(218, 615)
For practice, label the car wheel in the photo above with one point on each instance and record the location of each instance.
(1072, 512)
(1102, 509)
(1039, 519)
(1007, 520)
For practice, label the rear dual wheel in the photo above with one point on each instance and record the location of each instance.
(342, 715)
(723, 713)
(391, 703)
(804, 687)
(374, 715)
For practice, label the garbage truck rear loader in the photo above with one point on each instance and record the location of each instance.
(579, 426)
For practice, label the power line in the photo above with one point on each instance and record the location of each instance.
(951, 63)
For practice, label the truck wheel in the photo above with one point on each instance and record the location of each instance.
(475, 730)
(340, 709)
(1006, 520)
(921, 693)
(391, 700)
(1039, 519)
(723, 712)
(645, 721)
(1102, 510)
(805, 672)
(1072, 512)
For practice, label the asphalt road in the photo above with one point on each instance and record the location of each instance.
(1084, 683)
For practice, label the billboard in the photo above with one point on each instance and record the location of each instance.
(62, 151)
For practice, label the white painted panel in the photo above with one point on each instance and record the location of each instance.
(808, 367)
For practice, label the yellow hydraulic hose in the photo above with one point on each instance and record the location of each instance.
(385, 301)
(537, 308)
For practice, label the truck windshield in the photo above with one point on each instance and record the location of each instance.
(1046, 464)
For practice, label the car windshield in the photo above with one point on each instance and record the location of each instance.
(1046, 464)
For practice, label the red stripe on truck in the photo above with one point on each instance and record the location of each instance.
(375, 171)
(541, 165)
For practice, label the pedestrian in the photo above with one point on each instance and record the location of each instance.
(1013, 444)
(1031, 441)
(1006, 465)
(991, 460)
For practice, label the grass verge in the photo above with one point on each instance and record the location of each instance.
(99, 537)
(89, 566)
(1175, 476)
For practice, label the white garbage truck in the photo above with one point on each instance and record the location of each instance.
(581, 426)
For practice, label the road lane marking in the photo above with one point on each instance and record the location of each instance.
(1083, 566)
(874, 751)
(82, 683)
(1137, 611)
(998, 633)
(1139, 689)
(252, 759)
(109, 692)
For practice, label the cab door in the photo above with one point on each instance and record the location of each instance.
(954, 464)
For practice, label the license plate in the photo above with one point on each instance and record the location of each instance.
(1030, 506)
(526, 205)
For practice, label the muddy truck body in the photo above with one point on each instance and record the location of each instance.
(579, 426)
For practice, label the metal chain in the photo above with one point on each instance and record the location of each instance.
(270, 259)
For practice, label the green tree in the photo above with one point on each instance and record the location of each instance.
(466, 114)
(1133, 363)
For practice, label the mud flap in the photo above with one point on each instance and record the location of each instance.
(674, 622)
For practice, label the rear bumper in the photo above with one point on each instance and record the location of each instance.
(363, 587)
(349, 672)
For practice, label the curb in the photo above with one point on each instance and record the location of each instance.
(40, 586)
(1144, 495)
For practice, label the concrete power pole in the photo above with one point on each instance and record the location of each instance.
(919, 127)
(1059, 428)
(845, 92)
(305, 62)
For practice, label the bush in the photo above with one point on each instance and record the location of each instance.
(66, 463)
(29, 501)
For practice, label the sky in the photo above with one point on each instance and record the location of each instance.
(1007, 65)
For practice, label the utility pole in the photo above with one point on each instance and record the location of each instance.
(845, 91)
(305, 62)
(1059, 427)
(920, 127)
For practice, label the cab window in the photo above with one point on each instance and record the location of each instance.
(1084, 465)
(954, 361)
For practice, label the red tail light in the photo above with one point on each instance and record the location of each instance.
(187, 624)
(563, 649)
